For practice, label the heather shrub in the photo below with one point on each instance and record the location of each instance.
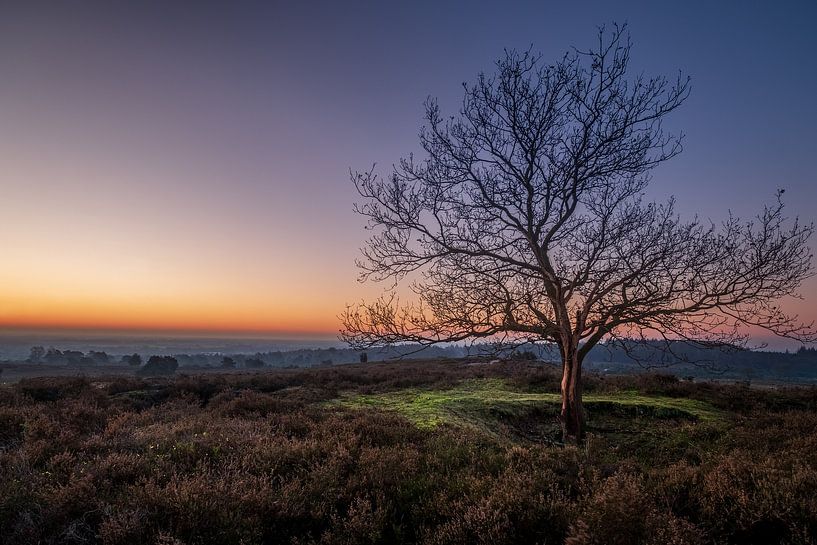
(11, 397)
(757, 501)
(59, 427)
(212, 506)
(123, 527)
(268, 457)
(52, 389)
(251, 404)
(516, 506)
(11, 428)
(203, 388)
(620, 510)
(125, 384)
(364, 522)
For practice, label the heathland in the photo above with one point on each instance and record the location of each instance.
(420, 451)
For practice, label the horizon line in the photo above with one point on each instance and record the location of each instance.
(172, 331)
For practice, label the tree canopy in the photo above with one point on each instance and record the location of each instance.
(527, 219)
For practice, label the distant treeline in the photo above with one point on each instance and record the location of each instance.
(278, 358)
(697, 360)
(683, 358)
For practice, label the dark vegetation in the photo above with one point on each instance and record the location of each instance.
(349, 455)
(133, 359)
(159, 365)
(680, 358)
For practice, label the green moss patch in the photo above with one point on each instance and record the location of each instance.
(476, 402)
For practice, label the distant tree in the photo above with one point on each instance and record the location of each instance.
(36, 355)
(276, 357)
(54, 356)
(526, 220)
(364, 357)
(75, 357)
(804, 351)
(525, 355)
(200, 360)
(185, 360)
(133, 359)
(254, 363)
(99, 357)
(159, 365)
(227, 362)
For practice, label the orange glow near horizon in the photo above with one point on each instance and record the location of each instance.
(181, 304)
(197, 312)
(180, 321)
(99, 251)
(177, 290)
(193, 318)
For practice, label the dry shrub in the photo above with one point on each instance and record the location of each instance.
(525, 496)
(167, 539)
(116, 471)
(210, 506)
(203, 388)
(121, 385)
(515, 507)
(363, 523)
(123, 527)
(790, 433)
(52, 388)
(12, 427)
(620, 511)
(758, 501)
(251, 404)
(676, 488)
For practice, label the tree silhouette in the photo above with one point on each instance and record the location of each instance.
(37, 354)
(159, 365)
(227, 362)
(134, 359)
(526, 221)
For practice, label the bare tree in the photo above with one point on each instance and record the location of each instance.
(527, 221)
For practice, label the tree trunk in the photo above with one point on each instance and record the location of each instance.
(572, 415)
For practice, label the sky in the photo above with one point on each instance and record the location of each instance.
(186, 166)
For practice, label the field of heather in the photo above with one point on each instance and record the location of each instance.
(434, 452)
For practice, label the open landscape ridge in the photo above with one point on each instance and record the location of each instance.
(427, 451)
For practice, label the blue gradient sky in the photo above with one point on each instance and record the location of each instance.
(186, 167)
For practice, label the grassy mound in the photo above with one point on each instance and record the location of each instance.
(478, 403)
